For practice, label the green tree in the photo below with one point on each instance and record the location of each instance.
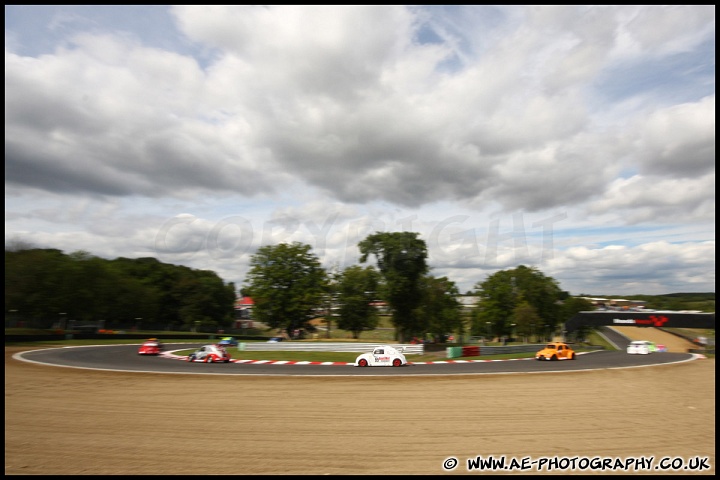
(42, 285)
(91, 288)
(330, 298)
(402, 261)
(205, 300)
(34, 282)
(158, 280)
(440, 309)
(287, 284)
(503, 291)
(174, 295)
(357, 289)
(524, 317)
(572, 306)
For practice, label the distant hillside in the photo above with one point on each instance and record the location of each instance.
(704, 302)
(692, 296)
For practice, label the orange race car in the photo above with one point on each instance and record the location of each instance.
(556, 351)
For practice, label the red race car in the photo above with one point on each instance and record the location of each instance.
(150, 347)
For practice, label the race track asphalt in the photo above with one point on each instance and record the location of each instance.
(124, 358)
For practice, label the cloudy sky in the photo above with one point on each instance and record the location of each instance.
(576, 139)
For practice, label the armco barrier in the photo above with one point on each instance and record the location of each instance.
(469, 351)
(411, 349)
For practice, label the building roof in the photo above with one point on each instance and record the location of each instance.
(244, 302)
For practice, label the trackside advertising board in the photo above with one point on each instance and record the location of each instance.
(641, 319)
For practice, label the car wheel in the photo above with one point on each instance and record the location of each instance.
(209, 359)
(397, 362)
(363, 363)
(553, 358)
(572, 357)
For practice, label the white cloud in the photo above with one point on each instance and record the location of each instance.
(322, 124)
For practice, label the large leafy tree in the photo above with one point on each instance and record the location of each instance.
(182, 297)
(357, 289)
(330, 298)
(287, 284)
(501, 293)
(203, 300)
(402, 261)
(524, 319)
(34, 283)
(570, 307)
(440, 309)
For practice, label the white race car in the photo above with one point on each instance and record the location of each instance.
(640, 347)
(382, 356)
(209, 354)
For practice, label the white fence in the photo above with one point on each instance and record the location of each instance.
(410, 349)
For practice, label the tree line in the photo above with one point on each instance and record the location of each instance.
(49, 287)
(290, 288)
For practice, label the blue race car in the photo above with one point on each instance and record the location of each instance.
(228, 342)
